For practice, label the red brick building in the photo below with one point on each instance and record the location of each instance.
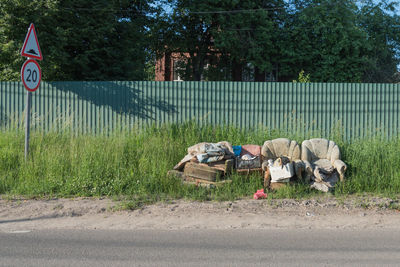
(167, 66)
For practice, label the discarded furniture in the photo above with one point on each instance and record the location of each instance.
(209, 172)
(196, 180)
(206, 153)
(205, 164)
(280, 150)
(322, 163)
(248, 159)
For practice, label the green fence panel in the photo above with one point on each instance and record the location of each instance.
(305, 108)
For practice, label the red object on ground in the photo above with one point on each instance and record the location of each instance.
(260, 194)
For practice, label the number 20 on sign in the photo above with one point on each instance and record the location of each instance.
(31, 75)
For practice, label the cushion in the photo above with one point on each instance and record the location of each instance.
(319, 148)
(281, 147)
(324, 165)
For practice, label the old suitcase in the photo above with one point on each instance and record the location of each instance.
(195, 181)
(202, 171)
(226, 166)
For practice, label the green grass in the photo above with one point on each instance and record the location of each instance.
(132, 165)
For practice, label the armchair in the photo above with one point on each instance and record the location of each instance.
(323, 154)
(281, 147)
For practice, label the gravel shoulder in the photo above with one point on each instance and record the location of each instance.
(93, 213)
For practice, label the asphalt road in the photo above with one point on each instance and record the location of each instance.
(200, 248)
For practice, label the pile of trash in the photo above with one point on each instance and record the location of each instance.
(280, 162)
(207, 153)
(208, 164)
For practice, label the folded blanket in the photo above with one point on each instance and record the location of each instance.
(207, 153)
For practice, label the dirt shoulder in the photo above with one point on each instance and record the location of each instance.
(92, 213)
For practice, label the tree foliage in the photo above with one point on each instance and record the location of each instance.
(383, 38)
(331, 40)
(79, 39)
(190, 35)
(250, 35)
(205, 32)
(334, 40)
(327, 42)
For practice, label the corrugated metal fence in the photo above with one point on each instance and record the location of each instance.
(98, 106)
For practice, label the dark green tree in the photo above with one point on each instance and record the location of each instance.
(188, 33)
(79, 39)
(382, 27)
(248, 34)
(326, 41)
(226, 35)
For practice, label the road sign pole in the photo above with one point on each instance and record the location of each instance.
(27, 122)
(31, 76)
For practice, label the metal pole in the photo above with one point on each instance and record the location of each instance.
(27, 123)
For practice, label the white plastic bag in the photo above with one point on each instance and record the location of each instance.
(281, 173)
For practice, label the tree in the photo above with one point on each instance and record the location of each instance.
(79, 39)
(326, 41)
(248, 34)
(229, 35)
(189, 33)
(382, 27)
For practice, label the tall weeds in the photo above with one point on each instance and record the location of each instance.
(134, 163)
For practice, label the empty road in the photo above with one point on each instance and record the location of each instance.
(200, 248)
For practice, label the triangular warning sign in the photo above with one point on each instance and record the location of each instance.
(31, 46)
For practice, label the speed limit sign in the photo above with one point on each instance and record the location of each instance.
(31, 75)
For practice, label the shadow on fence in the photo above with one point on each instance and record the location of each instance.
(3, 118)
(123, 97)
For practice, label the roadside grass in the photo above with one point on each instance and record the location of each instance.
(132, 165)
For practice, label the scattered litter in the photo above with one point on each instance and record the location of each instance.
(279, 162)
(259, 194)
(322, 181)
(207, 153)
(237, 150)
(249, 158)
(280, 170)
